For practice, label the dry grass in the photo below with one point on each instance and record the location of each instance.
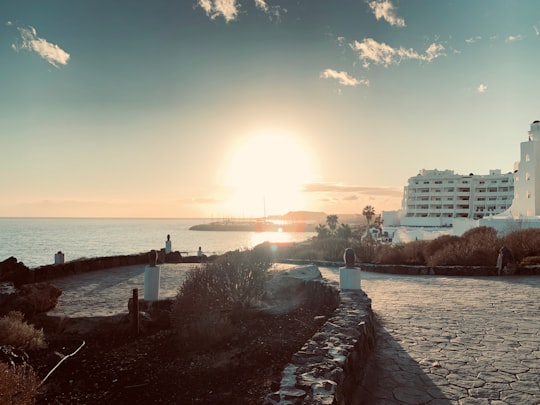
(14, 331)
(18, 385)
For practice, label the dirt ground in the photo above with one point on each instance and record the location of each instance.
(114, 366)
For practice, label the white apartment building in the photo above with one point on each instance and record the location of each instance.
(442, 201)
(435, 197)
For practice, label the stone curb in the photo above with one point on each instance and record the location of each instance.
(333, 363)
(459, 271)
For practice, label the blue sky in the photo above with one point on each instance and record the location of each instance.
(216, 108)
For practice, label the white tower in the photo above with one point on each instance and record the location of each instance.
(527, 179)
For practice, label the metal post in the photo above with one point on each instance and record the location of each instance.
(136, 310)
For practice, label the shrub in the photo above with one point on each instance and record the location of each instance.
(523, 243)
(411, 253)
(329, 249)
(208, 297)
(437, 244)
(18, 385)
(16, 332)
(461, 253)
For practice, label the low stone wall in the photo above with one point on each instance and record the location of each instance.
(333, 363)
(53, 271)
(17, 273)
(459, 271)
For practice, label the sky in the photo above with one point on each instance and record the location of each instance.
(237, 108)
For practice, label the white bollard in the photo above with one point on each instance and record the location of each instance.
(151, 283)
(349, 279)
(59, 258)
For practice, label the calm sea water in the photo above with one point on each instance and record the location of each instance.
(34, 241)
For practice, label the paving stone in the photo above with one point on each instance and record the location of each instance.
(516, 397)
(464, 340)
(411, 395)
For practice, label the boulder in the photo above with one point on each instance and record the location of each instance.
(14, 271)
(32, 299)
(173, 257)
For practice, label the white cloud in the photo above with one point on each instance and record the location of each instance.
(514, 38)
(482, 88)
(50, 52)
(228, 9)
(385, 9)
(472, 40)
(262, 5)
(536, 31)
(343, 78)
(9, 23)
(371, 51)
(273, 11)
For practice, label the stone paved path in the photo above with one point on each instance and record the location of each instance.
(447, 340)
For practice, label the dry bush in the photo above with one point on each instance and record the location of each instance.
(328, 249)
(437, 244)
(16, 332)
(388, 254)
(523, 243)
(482, 238)
(209, 295)
(462, 253)
(18, 385)
(411, 253)
(449, 255)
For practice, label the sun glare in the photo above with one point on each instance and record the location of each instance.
(266, 172)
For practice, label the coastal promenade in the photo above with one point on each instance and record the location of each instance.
(454, 340)
(442, 340)
(106, 292)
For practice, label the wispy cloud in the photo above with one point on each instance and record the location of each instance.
(228, 9)
(482, 88)
(343, 78)
(536, 31)
(514, 38)
(274, 12)
(371, 51)
(472, 40)
(50, 52)
(9, 23)
(385, 9)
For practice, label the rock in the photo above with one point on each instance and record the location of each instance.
(310, 272)
(173, 257)
(32, 299)
(14, 271)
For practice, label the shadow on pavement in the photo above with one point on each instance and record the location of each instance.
(396, 378)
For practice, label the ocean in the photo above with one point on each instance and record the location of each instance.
(34, 241)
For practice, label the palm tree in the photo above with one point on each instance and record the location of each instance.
(344, 231)
(322, 231)
(368, 212)
(332, 221)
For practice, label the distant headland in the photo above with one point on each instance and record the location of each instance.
(297, 221)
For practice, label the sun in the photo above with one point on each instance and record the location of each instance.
(265, 174)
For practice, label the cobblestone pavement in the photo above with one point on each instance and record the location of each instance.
(446, 340)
